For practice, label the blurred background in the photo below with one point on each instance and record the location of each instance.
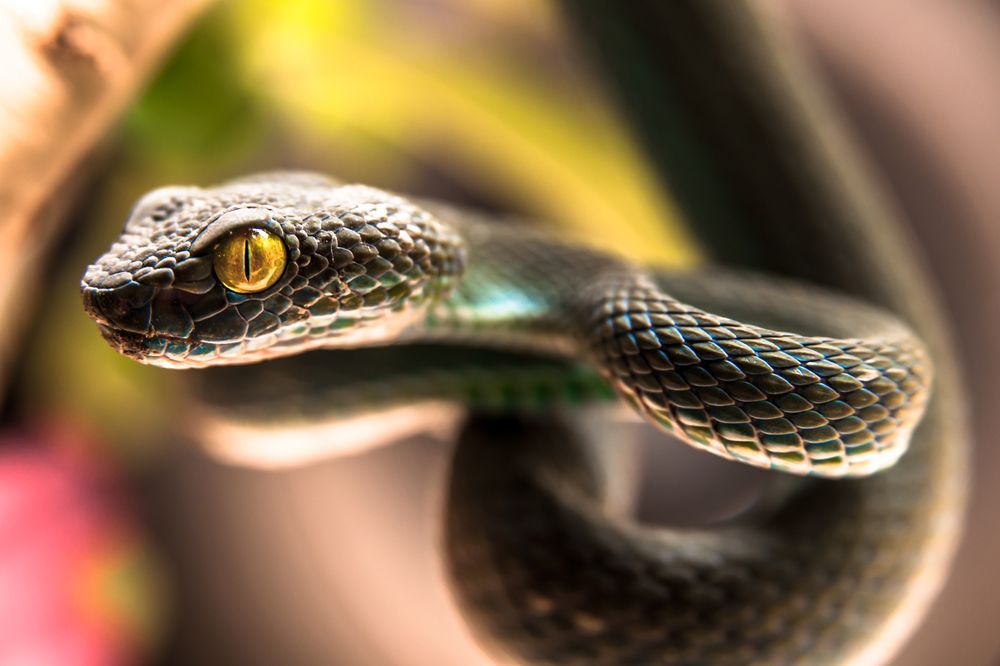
(123, 542)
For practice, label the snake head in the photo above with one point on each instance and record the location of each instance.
(266, 266)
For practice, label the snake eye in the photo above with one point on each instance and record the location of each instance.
(249, 259)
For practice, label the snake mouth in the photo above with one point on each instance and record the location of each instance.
(133, 345)
(128, 328)
(146, 349)
(108, 313)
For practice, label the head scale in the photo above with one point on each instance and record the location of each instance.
(322, 264)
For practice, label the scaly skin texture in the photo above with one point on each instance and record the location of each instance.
(545, 575)
(354, 255)
(739, 127)
(844, 572)
(368, 268)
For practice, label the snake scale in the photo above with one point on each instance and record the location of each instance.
(280, 264)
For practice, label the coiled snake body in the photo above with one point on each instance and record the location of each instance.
(279, 264)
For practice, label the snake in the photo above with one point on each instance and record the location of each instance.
(296, 272)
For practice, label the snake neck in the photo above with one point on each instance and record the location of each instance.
(521, 291)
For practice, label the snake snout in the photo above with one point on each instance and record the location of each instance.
(126, 308)
(122, 320)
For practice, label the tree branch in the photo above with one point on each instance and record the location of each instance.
(70, 68)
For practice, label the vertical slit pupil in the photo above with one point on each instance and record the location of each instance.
(246, 259)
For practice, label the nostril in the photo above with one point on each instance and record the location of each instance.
(118, 309)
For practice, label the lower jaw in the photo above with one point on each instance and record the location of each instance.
(127, 343)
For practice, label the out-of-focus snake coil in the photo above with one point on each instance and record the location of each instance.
(544, 573)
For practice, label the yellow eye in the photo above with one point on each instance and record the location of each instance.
(249, 259)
